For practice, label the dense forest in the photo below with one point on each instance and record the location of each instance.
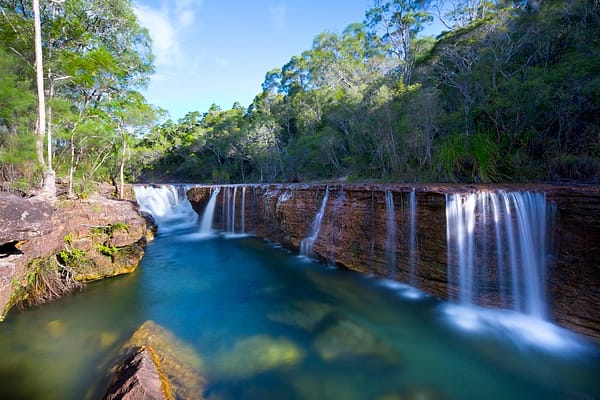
(509, 91)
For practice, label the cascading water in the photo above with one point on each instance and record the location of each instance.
(209, 213)
(230, 211)
(307, 243)
(412, 238)
(513, 261)
(168, 205)
(243, 210)
(390, 240)
(232, 205)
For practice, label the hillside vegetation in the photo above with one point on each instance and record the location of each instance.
(509, 91)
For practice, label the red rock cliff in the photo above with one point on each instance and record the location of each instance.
(353, 235)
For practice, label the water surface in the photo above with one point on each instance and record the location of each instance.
(268, 324)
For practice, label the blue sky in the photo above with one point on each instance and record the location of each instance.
(218, 51)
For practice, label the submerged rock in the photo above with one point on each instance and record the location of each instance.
(257, 354)
(342, 337)
(416, 393)
(305, 315)
(179, 370)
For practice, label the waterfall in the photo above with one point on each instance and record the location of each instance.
(501, 234)
(390, 240)
(243, 221)
(231, 228)
(230, 211)
(412, 238)
(168, 205)
(307, 243)
(209, 212)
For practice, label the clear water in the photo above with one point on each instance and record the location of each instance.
(271, 325)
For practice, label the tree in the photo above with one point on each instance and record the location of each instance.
(49, 188)
(94, 53)
(397, 23)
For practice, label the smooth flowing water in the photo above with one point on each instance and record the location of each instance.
(499, 236)
(307, 243)
(390, 229)
(412, 239)
(271, 325)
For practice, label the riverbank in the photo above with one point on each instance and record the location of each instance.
(50, 250)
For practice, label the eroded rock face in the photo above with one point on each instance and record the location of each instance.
(353, 235)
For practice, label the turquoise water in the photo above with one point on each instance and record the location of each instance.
(268, 324)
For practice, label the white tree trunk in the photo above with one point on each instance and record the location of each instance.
(39, 69)
(49, 185)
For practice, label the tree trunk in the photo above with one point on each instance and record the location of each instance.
(41, 122)
(49, 185)
(121, 169)
(70, 193)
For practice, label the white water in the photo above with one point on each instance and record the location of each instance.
(234, 217)
(514, 260)
(209, 213)
(412, 238)
(307, 243)
(390, 240)
(168, 205)
(243, 210)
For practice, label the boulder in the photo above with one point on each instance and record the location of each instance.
(137, 379)
(103, 237)
(23, 218)
(155, 364)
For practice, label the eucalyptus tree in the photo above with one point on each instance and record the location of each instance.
(397, 23)
(95, 54)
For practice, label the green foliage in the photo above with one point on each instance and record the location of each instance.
(68, 239)
(97, 56)
(72, 257)
(475, 158)
(510, 92)
(109, 251)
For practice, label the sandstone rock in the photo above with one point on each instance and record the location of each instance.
(23, 218)
(74, 226)
(137, 379)
(180, 369)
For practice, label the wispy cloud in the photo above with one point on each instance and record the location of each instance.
(277, 14)
(223, 62)
(166, 25)
(165, 44)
